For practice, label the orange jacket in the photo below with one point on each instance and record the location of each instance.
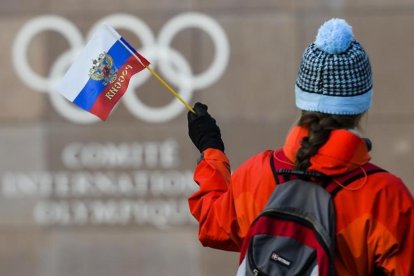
(375, 214)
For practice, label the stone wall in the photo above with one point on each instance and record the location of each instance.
(109, 198)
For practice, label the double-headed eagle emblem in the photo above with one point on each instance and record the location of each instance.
(103, 69)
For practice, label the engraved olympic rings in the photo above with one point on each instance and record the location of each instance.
(172, 65)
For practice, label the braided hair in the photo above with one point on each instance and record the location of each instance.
(320, 126)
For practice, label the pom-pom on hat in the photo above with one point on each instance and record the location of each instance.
(335, 74)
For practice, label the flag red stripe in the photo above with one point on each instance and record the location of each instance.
(114, 91)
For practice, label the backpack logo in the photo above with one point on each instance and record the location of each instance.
(279, 259)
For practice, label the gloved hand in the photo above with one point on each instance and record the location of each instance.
(203, 130)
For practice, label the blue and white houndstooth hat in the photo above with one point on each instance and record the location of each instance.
(335, 74)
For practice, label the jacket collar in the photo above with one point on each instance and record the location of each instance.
(343, 152)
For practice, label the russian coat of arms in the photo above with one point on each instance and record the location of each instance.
(103, 69)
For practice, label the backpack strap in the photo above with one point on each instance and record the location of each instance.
(284, 165)
(276, 176)
(350, 177)
(285, 172)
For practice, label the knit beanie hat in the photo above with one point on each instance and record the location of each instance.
(335, 73)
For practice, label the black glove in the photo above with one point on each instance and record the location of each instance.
(203, 130)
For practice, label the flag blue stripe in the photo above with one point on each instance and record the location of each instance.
(91, 91)
(128, 45)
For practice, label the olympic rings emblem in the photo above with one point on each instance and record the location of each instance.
(172, 64)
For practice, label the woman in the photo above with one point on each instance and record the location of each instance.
(374, 214)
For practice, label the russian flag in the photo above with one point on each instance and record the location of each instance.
(100, 75)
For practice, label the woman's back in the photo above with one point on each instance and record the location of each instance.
(374, 213)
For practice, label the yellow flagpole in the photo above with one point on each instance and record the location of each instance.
(169, 88)
(152, 72)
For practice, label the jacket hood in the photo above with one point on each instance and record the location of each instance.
(343, 152)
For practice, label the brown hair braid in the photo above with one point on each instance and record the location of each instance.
(320, 126)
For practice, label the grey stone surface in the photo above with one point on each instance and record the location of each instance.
(24, 147)
(242, 5)
(393, 144)
(77, 7)
(19, 102)
(253, 102)
(258, 84)
(11, 7)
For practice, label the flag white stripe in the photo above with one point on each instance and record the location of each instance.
(78, 74)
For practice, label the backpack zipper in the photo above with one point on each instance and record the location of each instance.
(308, 264)
(255, 269)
